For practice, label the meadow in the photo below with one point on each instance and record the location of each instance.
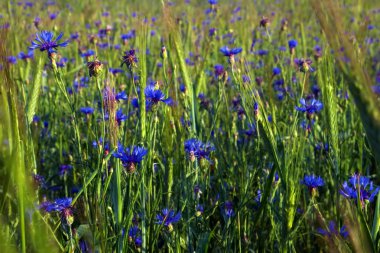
(189, 126)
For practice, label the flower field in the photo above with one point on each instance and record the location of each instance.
(189, 126)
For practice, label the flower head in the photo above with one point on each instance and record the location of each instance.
(264, 22)
(197, 149)
(228, 209)
(62, 206)
(304, 65)
(129, 59)
(332, 231)
(87, 110)
(45, 41)
(154, 96)
(230, 52)
(312, 181)
(134, 236)
(310, 106)
(359, 186)
(168, 218)
(130, 157)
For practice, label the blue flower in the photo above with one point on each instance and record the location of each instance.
(120, 117)
(276, 71)
(130, 157)
(26, 56)
(154, 96)
(310, 106)
(121, 96)
(87, 110)
(197, 149)
(45, 41)
(312, 181)
(167, 218)
(359, 184)
(134, 235)
(12, 59)
(292, 44)
(228, 209)
(332, 231)
(212, 2)
(218, 70)
(230, 52)
(88, 53)
(57, 206)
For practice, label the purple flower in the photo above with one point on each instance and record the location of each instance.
(129, 59)
(218, 70)
(168, 218)
(45, 41)
(130, 157)
(12, 59)
(359, 185)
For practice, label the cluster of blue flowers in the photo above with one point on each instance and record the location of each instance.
(196, 149)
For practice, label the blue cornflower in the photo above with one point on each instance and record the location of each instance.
(115, 71)
(121, 96)
(228, 209)
(45, 41)
(362, 185)
(218, 70)
(212, 2)
(154, 96)
(88, 53)
(332, 231)
(310, 106)
(130, 157)
(262, 52)
(292, 44)
(64, 168)
(62, 206)
(312, 181)
(26, 56)
(197, 149)
(134, 236)
(276, 71)
(12, 59)
(168, 218)
(87, 110)
(230, 52)
(120, 116)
